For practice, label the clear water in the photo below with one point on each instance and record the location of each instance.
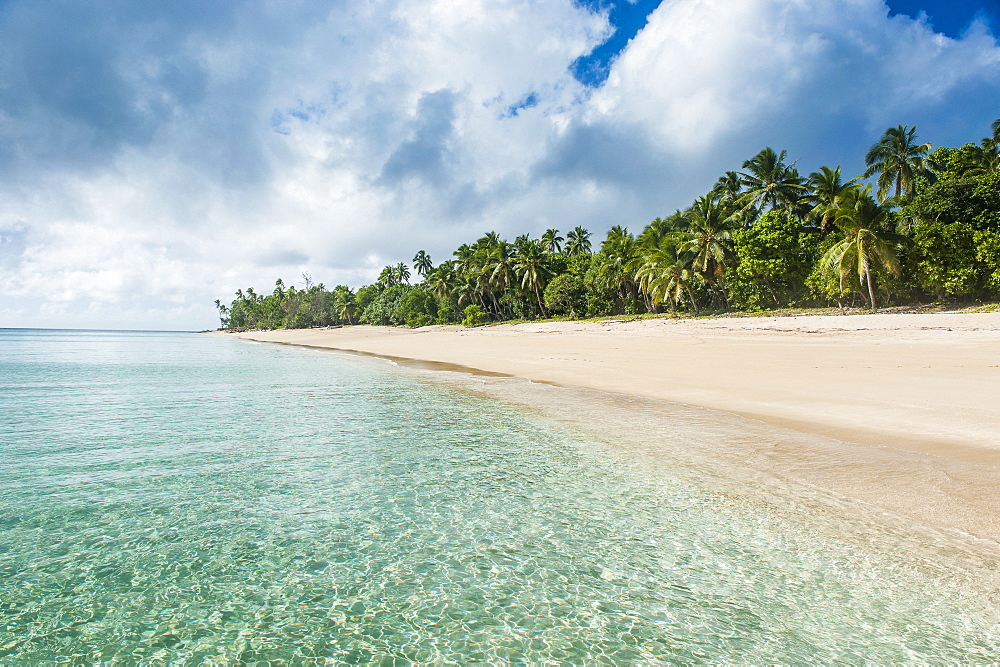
(194, 498)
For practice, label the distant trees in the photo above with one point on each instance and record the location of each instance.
(763, 237)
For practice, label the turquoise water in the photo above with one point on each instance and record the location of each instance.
(189, 497)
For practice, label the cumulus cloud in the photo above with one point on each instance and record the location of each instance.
(821, 78)
(157, 156)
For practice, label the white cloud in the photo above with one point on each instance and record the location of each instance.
(200, 148)
(705, 70)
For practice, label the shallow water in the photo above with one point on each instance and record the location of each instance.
(185, 497)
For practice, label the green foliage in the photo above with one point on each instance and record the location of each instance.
(898, 161)
(973, 200)
(955, 162)
(383, 308)
(447, 313)
(416, 308)
(764, 237)
(774, 257)
(578, 264)
(473, 315)
(366, 295)
(943, 257)
(988, 258)
(565, 294)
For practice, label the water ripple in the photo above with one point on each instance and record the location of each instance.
(185, 498)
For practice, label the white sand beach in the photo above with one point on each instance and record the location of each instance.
(902, 392)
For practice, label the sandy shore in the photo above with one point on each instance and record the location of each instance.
(925, 385)
(922, 382)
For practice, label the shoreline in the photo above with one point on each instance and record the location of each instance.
(923, 382)
(902, 401)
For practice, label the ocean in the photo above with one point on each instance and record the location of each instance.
(192, 497)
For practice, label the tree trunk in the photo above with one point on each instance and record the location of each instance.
(767, 283)
(539, 297)
(691, 296)
(871, 291)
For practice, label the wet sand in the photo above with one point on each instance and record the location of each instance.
(907, 404)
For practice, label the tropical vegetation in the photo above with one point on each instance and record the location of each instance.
(925, 226)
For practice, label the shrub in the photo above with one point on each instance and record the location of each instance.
(473, 315)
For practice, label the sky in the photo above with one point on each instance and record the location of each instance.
(156, 156)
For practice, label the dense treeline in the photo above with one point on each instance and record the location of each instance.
(926, 227)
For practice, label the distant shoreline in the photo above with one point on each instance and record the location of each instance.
(922, 385)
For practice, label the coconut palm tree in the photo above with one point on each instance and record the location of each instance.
(619, 253)
(530, 265)
(708, 239)
(987, 157)
(984, 160)
(826, 189)
(577, 241)
(729, 187)
(665, 273)
(551, 241)
(488, 241)
(442, 280)
(387, 278)
(898, 160)
(867, 244)
(769, 182)
(345, 306)
(402, 273)
(422, 263)
(499, 266)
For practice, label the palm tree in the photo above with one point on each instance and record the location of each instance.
(826, 190)
(531, 266)
(442, 280)
(665, 273)
(467, 289)
(551, 241)
(985, 159)
(729, 187)
(500, 266)
(422, 263)
(987, 156)
(345, 306)
(489, 240)
(867, 244)
(387, 278)
(619, 253)
(898, 160)
(769, 182)
(577, 241)
(709, 239)
(402, 273)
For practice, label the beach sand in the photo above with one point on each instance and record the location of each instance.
(906, 404)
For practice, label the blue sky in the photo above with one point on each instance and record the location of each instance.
(950, 17)
(157, 156)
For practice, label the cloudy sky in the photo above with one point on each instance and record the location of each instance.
(155, 156)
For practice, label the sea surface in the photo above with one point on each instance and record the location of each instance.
(191, 497)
